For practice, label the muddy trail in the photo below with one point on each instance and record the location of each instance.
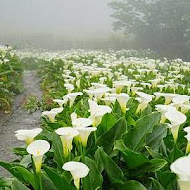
(18, 119)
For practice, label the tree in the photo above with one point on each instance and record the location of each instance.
(161, 25)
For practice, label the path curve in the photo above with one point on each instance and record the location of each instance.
(18, 119)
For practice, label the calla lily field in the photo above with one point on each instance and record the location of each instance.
(110, 120)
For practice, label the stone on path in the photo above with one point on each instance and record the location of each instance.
(18, 119)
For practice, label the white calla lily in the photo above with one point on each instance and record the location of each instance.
(84, 134)
(78, 170)
(59, 101)
(176, 118)
(97, 112)
(27, 135)
(181, 168)
(50, 114)
(72, 97)
(122, 98)
(187, 129)
(164, 109)
(144, 100)
(37, 149)
(82, 122)
(67, 134)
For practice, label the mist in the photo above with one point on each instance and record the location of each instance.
(29, 20)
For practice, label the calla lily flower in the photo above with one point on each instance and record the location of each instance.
(187, 129)
(120, 84)
(84, 134)
(72, 97)
(109, 100)
(27, 135)
(164, 109)
(181, 99)
(144, 100)
(134, 90)
(60, 102)
(168, 96)
(97, 112)
(37, 149)
(122, 99)
(176, 118)
(78, 170)
(69, 87)
(67, 134)
(181, 168)
(58, 110)
(51, 115)
(82, 122)
(73, 116)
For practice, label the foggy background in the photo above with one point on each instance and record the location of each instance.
(160, 25)
(43, 22)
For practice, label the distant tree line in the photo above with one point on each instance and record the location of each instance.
(161, 25)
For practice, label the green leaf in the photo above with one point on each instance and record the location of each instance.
(132, 159)
(136, 138)
(57, 180)
(154, 139)
(156, 185)
(16, 185)
(114, 172)
(108, 121)
(5, 182)
(153, 166)
(47, 183)
(94, 179)
(19, 172)
(58, 150)
(132, 185)
(107, 140)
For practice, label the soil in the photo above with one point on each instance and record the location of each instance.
(18, 119)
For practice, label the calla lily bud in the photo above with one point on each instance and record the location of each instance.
(37, 149)
(181, 168)
(27, 135)
(67, 134)
(78, 170)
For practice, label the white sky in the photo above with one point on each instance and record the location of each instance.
(70, 17)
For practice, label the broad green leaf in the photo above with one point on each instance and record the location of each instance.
(16, 185)
(57, 180)
(132, 159)
(136, 138)
(156, 185)
(153, 139)
(94, 179)
(58, 150)
(47, 183)
(114, 172)
(153, 166)
(5, 182)
(108, 121)
(107, 140)
(132, 185)
(19, 172)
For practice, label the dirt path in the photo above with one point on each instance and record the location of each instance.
(19, 119)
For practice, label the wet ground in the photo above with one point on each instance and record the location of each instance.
(18, 119)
